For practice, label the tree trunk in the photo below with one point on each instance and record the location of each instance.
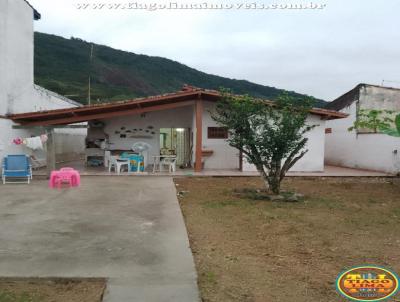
(274, 177)
(263, 176)
(271, 181)
(265, 180)
(275, 184)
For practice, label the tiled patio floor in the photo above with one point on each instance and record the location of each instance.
(329, 171)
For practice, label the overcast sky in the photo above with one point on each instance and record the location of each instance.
(320, 52)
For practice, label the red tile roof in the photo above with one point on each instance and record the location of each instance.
(128, 107)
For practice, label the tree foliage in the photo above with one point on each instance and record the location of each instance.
(379, 121)
(375, 120)
(270, 135)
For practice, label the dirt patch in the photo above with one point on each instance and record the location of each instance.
(51, 290)
(260, 251)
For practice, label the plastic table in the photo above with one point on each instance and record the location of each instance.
(71, 173)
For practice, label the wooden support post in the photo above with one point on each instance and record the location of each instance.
(50, 152)
(199, 135)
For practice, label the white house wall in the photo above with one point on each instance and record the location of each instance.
(69, 143)
(18, 94)
(227, 157)
(7, 134)
(16, 51)
(313, 160)
(38, 99)
(224, 156)
(378, 152)
(172, 118)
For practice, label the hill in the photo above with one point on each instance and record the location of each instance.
(63, 65)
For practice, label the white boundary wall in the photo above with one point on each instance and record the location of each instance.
(374, 151)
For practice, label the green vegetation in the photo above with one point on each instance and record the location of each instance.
(63, 65)
(270, 137)
(13, 297)
(381, 121)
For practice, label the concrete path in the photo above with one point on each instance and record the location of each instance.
(129, 230)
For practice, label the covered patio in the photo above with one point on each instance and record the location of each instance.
(181, 110)
(177, 124)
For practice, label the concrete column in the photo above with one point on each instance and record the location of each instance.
(199, 135)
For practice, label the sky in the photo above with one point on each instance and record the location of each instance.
(323, 52)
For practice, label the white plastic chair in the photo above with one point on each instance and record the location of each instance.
(107, 155)
(170, 162)
(118, 164)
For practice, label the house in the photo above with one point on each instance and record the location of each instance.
(179, 123)
(360, 148)
(18, 93)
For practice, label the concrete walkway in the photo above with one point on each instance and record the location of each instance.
(129, 230)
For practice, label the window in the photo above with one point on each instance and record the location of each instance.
(217, 132)
(328, 130)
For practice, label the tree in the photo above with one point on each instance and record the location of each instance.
(394, 131)
(269, 134)
(378, 121)
(375, 120)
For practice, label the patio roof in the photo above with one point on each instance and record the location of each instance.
(187, 96)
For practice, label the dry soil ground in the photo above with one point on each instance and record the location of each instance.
(255, 250)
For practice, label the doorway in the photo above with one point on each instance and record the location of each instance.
(176, 141)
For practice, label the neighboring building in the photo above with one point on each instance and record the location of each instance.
(17, 90)
(360, 148)
(183, 117)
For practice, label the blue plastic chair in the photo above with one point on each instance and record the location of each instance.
(16, 167)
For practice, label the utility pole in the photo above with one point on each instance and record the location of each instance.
(90, 69)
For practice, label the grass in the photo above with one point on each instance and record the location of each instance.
(251, 250)
(51, 289)
(7, 296)
(218, 204)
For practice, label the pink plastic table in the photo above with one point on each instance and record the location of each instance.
(71, 174)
